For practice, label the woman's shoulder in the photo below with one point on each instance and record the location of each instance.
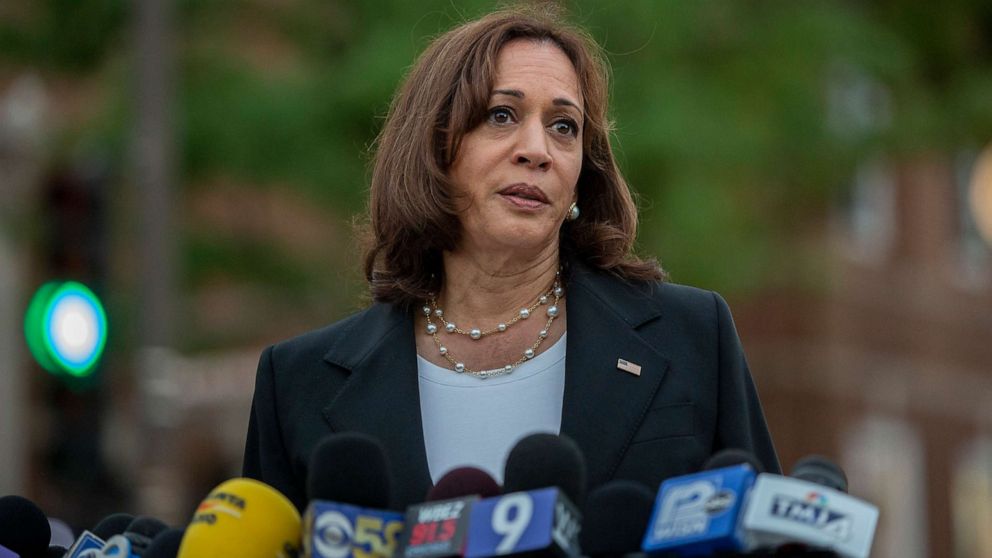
(350, 331)
(665, 297)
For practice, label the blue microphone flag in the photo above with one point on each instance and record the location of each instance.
(698, 514)
(86, 541)
(523, 521)
(335, 530)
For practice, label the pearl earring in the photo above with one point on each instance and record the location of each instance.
(573, 212)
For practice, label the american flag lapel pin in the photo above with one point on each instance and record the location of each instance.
(628, 366)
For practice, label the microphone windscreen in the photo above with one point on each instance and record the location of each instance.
(166, 544)
(244, 518)
(350, 468)
(113, 524)
(820, 470)
(614, 518)
(546, 460)
(464, 481)
(141, 531)
(146, 527)
(24, 529)
(730, 457)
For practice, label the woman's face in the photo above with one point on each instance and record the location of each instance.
(517, 170)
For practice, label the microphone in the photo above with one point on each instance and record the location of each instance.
(245, 518)
(117, 546)
(24, 528)
(140, 533)
(438, 527)
(820, 470)
(113, 524)
(87, 544)
(541, 521)
(543, 460)
(788, 510)
(351, 468)
(614, 519)
(730, 457)
(544, 475)
(166, 544)
(698, 514)
(349, 488)
(464, 481)
(132, 543)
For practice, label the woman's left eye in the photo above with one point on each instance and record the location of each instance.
(565, 127)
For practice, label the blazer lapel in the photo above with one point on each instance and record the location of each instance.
(381, 397)
(604, 405)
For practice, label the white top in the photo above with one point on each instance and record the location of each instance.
(476, 422)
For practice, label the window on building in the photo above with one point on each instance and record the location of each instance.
(884, 460)
(869, 213)
(971, 500)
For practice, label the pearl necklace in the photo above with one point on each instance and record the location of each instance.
(431, 308)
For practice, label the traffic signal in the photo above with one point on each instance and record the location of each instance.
(66, 328)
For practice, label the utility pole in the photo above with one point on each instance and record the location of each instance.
(154, 178)
(23, 108)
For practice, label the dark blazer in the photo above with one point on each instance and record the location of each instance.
(694, 395)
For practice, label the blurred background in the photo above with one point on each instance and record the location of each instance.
(198, 165)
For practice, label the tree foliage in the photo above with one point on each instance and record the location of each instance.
(736, 122)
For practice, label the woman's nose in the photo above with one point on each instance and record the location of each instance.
(532, 146)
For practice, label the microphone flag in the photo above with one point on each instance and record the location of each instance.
(117, 546)
(86, 541)
(523, 521)
(336, 530)
(786, 510)
(697, 514)
(437, 529)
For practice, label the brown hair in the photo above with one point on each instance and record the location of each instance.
(412, 210)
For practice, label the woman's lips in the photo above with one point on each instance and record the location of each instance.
(524, 196)
(523, 203)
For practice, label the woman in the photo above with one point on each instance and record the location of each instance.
(507, 298)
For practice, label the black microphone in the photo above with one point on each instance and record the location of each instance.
(91, 542)
(141, 532)
(536, 515)
(614, 519)
(350, 468)
(730, 457)
(545, 460)
(166, 544)
(24, 528)
(350, 489)
(820, 470)
(113, 524)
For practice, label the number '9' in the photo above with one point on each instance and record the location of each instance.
(511, 516)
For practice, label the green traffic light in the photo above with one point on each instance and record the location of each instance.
(66, 328)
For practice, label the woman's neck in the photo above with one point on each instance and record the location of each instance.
(483, 289)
